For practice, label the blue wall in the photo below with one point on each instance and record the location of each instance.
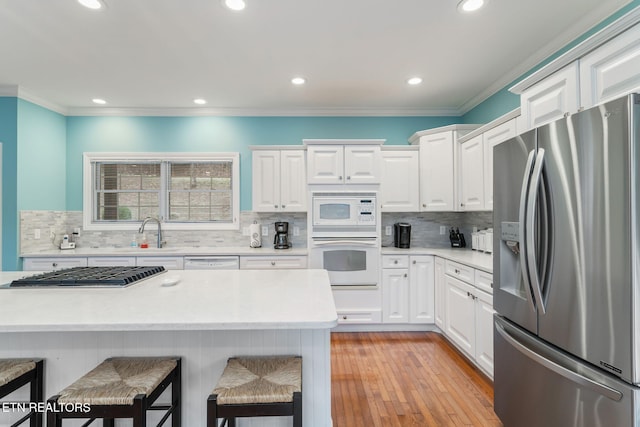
(159, 134)
(9, 140)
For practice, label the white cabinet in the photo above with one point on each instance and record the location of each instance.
(408, 289)
(52, 264)
(421, 289)
(472, 174)
(611, 70)
(400, 183)
(111, 261)
(440, 293)
(491, 138)
(551, 98)
(395, 295)
(279, 181)
(358, 306)
(439, 158)
(168, 262)
(469, 315)
(273, 262)
(338, 164)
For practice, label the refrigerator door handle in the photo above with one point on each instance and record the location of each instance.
(602, 389)
(532, 204)
(522, 231)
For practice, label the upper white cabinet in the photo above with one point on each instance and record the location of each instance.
(343, 161)
(491, 138)
(439, 166)
(399, 188)
(472, 174)
(279, 181)
(611, 70)
(551, 98)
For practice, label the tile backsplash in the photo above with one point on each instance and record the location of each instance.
(425, 230)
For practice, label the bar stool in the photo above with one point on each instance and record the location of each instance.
(121, 387)
(257, 387)
(15, 373)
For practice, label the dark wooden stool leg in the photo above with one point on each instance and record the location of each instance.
(176, 391)
(139, 411)
(37, 393)
(297, 409)
(53, 420)
(108, 422)
(231, 422)
(212, 413)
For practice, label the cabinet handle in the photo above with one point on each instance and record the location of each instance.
(424, 205)
(457, 271)
(284, 206)
(348, 177)
(405, 274)
(55, 264)
(340, 178)
(273, 263)
(275, 206)
(461, 205)
(491, 285)
(414, 261)
(395, 261)
(344, 317)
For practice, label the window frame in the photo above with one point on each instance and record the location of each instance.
(88, 183)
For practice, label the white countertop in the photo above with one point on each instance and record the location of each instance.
(166, 251)
(202, 300)
(480, 260)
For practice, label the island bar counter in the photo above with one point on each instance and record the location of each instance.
(205, 318)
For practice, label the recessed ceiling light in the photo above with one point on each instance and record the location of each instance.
(414, 81)
(92, 4)
(471, 5)
(200, 101)
(298, 81)
(99, 101)
(235, 4)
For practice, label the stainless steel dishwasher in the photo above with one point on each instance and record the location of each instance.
(212, 263)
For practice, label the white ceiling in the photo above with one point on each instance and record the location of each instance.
(158, 55)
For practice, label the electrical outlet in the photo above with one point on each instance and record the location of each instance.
(443, 230)
(296, 231)
(387, 230)
(265, 230)
(36, 233)
(245, 231)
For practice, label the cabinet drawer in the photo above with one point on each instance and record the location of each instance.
(395, 261)
(484, 281)
(270, 263)
(109, 261)
(51, 264)
(168, 262)
(460, 271)
(359, 316)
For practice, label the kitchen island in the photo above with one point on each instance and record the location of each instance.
(206, 317)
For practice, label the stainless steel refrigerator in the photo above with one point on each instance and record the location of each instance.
(566, 268)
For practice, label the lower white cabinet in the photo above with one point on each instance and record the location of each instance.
(357, 306)
(440, 293)
(111, 261)
(408, 289)
(168, 262)
(52, 264)
(469, 321)
(272, 262)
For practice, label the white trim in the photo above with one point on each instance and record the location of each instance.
(276, 147)
(87, 190)
(343, 141)
(607, 33)
(494, 123)
(415, 138)
(400, 148)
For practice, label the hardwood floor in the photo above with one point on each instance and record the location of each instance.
(405, 379)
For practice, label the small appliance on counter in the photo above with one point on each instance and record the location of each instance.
(255, 239)
(281, 239)
(402, 235)
(457, 238)
(66, 243)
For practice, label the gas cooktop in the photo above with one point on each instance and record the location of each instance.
(89, 277)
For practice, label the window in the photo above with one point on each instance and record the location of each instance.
(185, 190)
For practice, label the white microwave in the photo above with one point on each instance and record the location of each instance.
(353, 213)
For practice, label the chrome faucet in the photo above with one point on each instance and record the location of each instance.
(145, 221)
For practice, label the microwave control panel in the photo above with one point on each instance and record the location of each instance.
(367, 211)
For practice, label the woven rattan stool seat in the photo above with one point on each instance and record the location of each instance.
(247, 380)
(118, 380)
(10, 369)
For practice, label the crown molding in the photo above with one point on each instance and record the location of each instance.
(21, 93)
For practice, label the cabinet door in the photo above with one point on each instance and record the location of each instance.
(108, 261)
(421, 292)
(472, 174)
(272, 262)
(266, 181)
(168, 262)
(437, 190)
(362, 164)
(484, 331)
(399, 186)
(491, 138)
(551, 98)
(325, 164)
(395, 295)
(52, 264)
(611, 70)
(460, 315)
(440, 293)
(293, 181)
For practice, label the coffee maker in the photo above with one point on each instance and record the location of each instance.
(402, 235)
(281, 239)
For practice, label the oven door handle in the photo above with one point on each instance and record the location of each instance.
(373, 242)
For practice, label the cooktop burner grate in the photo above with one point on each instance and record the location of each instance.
(90, 277)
